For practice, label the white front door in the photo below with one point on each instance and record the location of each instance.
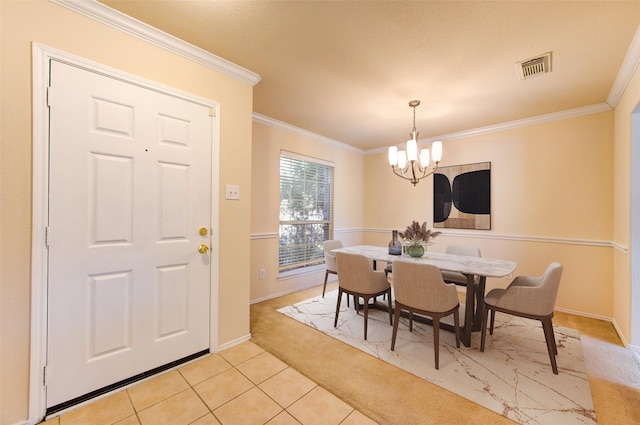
(130, 191)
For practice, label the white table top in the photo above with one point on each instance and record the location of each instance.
(478, 266)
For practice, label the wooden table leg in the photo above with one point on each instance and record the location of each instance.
(465, 335)
(477, 318)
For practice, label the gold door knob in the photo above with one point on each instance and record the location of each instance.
(203, 249)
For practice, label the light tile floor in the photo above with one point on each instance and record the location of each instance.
(240, 385)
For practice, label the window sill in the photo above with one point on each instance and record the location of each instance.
(292, 274)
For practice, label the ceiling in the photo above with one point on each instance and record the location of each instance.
(346, 70)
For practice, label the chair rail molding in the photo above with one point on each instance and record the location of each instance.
(523, 238)
(275, 235)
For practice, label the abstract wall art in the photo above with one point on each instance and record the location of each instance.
(462, 196)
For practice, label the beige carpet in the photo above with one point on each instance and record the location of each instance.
(611, 362)
(512, 377)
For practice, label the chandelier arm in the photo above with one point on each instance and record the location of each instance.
(413, 172)
(425, 174)
(413, 179)
(414, 166)
(399, 172)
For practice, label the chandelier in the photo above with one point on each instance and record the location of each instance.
(406, 163)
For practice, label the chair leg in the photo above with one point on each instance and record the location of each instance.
(395, 326)
(456, 324)
(485, 316)
(324, 287)
(389, 300)
(549, 337)
(436, 340)
(366, 316)
(493, 319)
(553, 337)
(335, 322)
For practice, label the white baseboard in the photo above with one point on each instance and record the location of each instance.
(625, 343)
(583, 314)
(620, 334)
(331, 278)
(235, 342)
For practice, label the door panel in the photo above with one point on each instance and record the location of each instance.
(130, 185)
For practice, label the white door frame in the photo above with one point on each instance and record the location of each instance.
(635, 229)
(41, 55)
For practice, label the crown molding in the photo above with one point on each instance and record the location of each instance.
(99, 12)
(263, 119)
(627, 70)
(510, 125)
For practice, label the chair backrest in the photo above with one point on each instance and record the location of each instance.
(539, 293)
(549, 287)
(467, 250)
(356, 274)
(329, 257)
(421, 286)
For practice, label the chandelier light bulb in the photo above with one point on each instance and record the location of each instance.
(436, 147)
(393, 155)
(412, 150)
(424, 158)
(402, 159)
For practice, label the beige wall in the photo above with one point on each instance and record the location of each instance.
(622, 208)
(551, 182)
(348, 174)
(24, 22)
(552, 200)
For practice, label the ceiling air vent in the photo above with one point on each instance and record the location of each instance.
(535, 66)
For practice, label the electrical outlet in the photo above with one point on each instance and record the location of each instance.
(262, 273)
(233, 191)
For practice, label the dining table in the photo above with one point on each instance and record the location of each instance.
(475, 269)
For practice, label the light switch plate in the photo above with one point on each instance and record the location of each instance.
(233, 191)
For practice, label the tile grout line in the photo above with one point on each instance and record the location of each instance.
(254, 385)
(200, 398)
(135, 411)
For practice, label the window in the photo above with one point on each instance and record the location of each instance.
(306, 210)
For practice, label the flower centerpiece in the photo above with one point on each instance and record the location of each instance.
(417, 236)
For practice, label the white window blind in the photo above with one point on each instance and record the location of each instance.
(306, 210)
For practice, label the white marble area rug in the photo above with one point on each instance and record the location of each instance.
(512, 377)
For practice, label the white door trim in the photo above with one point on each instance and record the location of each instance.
(41, 55)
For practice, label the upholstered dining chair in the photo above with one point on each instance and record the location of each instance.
(455, 277)
(530, 297)
(357, 277)
(420, 289)
(330, 260)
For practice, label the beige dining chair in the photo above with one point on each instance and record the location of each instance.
(530, 297)
(466, 250)
(357, 277)
(330, 260)
(419, 289)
